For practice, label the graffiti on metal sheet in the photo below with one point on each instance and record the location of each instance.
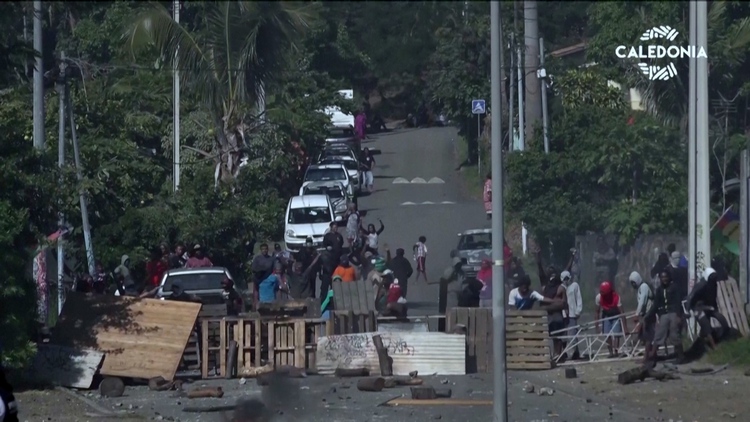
(347, 349)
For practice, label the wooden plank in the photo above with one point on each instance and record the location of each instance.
(516, 366)
(518, 328)
(300, 343)
(527, 358)
(723, 299)
(532, 313)
(526, 343)
(346, 298)
(438, 402)
(338, 295)
(530, 335)
(204, 349)
(223, 343)
(528, 350)
(370, 294)
(482, 328)
(141, 338)
(258, 343)
(64, 366)
(271, 348)
(744, 327)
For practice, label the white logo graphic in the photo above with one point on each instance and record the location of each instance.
(656, 72)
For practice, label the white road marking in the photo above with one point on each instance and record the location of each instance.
(429, 203)
(400, 180)
(418, 180)
(447, 203)
(408, 203)
(436, 180)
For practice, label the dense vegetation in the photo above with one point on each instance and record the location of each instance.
(624, 171)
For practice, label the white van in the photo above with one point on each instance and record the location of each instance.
(307, 216)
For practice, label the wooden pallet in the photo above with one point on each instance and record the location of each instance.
(291, 342)
(527, 338)
(356, 296)
(732, 306)
(348, 322)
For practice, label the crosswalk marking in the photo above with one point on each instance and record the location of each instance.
(436, 180)
(400, 180)
(428, 203)
(418, 180)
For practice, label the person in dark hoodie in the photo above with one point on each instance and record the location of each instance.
(327, 265)
(401, 268)
(702, 301)
(668, 306)
(553, 289)
(662, 262)
(262, 267)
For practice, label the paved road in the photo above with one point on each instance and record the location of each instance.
(427, 154)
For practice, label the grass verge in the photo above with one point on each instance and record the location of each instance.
(737, 353)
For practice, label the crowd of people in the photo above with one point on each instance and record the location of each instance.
(659, 315)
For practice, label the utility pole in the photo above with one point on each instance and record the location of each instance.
(692, 253)
(519, 70)
(512, 98)
(61, 91)
(702, 149)
(82, 193)
(500, 391)
(176, 111)
(542, 75)
(744, 242)
(38, 110)
(533, 101)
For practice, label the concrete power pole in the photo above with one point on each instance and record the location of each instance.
(702, 148)
(533, 100)
(38, 111)
(691, 150)
(176, 111)
(61, 91)
(500, 391)
(542, 75)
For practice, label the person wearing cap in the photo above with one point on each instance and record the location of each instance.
(668, 306)
(199, 259)
(231, 297)
(345, 270)
(281, 255)
(401, 267)
(702, 301)
(645, 327)
(575, 305)
(375, 276)
(609, 306)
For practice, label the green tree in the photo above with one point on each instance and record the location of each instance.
(225, 64)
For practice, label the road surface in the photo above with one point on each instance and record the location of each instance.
(434, 206)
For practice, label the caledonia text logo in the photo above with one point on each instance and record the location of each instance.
(647, 52)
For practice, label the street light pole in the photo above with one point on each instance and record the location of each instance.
(702, 149)
(691, 151)
(176, 112)
(500, 392)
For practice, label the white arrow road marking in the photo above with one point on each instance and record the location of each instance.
(408, 203)
(436, 180)
(418, 180)
(400, 180)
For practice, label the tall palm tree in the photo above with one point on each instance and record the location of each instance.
(242, 46)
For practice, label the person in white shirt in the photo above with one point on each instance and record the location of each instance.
(575, 305)
(522, 298)
(645, 327)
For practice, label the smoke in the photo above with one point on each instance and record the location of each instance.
(275, 397)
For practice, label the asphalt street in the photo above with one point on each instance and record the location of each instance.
(438, 211)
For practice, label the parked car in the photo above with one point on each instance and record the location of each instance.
(473, 247)
(307, 216)
(351, 165)
(340, 150)
(345, 136)
(202, 282)
(329, 173)
(336, 193)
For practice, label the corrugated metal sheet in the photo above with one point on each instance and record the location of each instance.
(403, 327)
(428, 353)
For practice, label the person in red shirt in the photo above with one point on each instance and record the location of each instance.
(155, 269)
(507, 258)
(198, 260)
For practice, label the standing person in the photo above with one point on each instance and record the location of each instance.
(333, 238)
(487, 196)
(553, 289)
(198, 260)
(299, 280)
(609, 305)
(401, 268)
(282, 256)
(123, 279)
(420, 256)
(345, 270)
(326, 268)
(101, 280)
(702, 301)
(645, 326)
(683, 262)
(368, 164)
(155, 269)
(262, 267)
(309, 259)
(485, 277)
(270, 285)
(231, 297)
(668, 306)
(662, 262)
(179, 258)
(372, 237)
(352, 224)
(679, 274)
(575, 305)
(360, 125)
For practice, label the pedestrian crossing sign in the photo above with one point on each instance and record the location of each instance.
(477, 107)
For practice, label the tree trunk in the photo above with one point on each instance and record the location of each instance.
(533, 98)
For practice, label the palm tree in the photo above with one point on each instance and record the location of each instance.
(242, 46)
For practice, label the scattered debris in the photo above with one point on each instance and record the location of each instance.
(385, 361)
(528, 387)
(571, 373)
(413, 374)
(729, 415)
(371, 384)
(354, 372)
(640, 373)
(430, 393)
(215, 392)
(545, 391)
(391, 382)
(438, 402)
(207, 409)
(111, 387)
(160, 384)
(252, 372)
